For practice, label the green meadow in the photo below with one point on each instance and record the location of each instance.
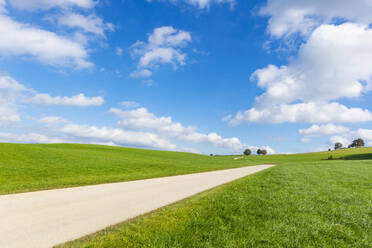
(25, 167)
(308, 200)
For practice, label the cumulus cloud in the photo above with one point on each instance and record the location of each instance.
(320, 130)
(347, 137)
(10, 91)
(118, 136)
(48, 4)
(303, 113)
(89, 24)
(52, 120)
(8, 115)
(13, 95)
(201, 4)
(333, 64)
(79, 100)
(142, 119)
(29, 138)
(47, 47)
(2, 6)
(163, 47)
(302, 16)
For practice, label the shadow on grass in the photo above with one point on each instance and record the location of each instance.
(365, 156)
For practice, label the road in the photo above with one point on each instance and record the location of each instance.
(44, 219)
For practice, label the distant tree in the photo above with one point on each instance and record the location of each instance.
(259, 152)
(357, 143)
(247, 152)
(211, 155)
(263, 152)
(329, 149)
(338, 145)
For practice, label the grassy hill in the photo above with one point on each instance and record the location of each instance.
(36, 167)
(306, 201)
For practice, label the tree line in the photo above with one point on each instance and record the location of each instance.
(248, 152)
(355, 144)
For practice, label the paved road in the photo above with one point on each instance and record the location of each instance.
(47, 218)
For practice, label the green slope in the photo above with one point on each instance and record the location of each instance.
(36, 167)
(306, 201)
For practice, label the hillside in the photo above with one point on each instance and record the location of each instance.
(306, 201)
(29, 167)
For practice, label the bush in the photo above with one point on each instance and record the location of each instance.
(357, 143)
(247, 152)
(338, 145)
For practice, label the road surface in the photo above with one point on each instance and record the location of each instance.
(43, 219)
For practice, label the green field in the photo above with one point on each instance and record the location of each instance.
(305, 201)
(36, 167)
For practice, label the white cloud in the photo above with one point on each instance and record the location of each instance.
(10, 91)
(8, 115)
(118, 136)
(201, 4)
(119, 51)
(47, 47)
(303, 113)
(89, 24)
(52, 120)
(333, 64)
(141, 74)
(2, 6)
(347, 137)
(130, 104)
(29, 138)
(321, 130)
(10, 84)
(302, 16)
(48, 4)
(163, 47)
(141, 119)
(79, 100)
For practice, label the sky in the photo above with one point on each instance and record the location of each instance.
(203, 76)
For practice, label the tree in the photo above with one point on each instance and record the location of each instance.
(259, 152)
(263, 152)
(357, 143)
(247, 152)
(338, 145)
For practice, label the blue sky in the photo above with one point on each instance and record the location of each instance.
(208, 76)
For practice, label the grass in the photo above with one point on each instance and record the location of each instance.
(37, 167)
(306, 201)
(26, 168)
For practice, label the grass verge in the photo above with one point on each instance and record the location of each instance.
(296, 204)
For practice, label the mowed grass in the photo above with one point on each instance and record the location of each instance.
(38, 167)
(25, 167)
(306, 201)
